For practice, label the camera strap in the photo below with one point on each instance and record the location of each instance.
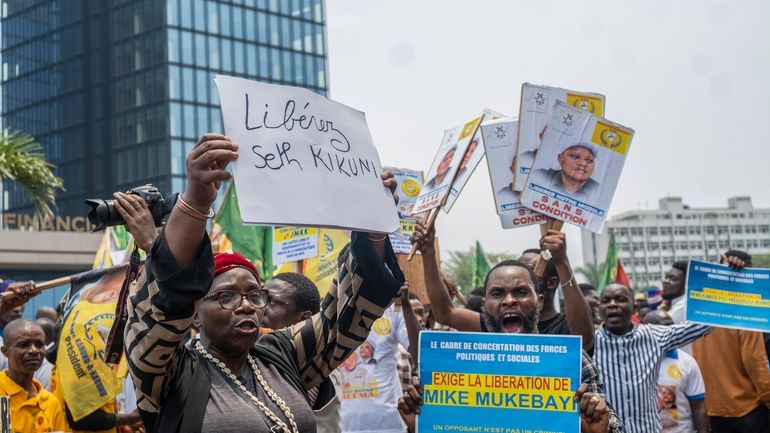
(114, 347)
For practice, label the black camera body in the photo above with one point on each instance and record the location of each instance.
(103, 213)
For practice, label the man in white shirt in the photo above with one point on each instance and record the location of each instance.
(681, 391)
(375, 410)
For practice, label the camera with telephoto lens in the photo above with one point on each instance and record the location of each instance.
(103, 213)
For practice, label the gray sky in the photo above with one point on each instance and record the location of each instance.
(691, 77)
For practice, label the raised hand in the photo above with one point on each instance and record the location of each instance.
(206, 169)
(555, 241)
(139, 221)
(594, 413)
(424, 238)
(389, 182)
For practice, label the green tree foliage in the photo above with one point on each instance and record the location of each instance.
(459, 266)
(591, 272)
(760, 261)
(22, 161)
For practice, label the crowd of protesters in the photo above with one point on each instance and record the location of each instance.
(212, 347)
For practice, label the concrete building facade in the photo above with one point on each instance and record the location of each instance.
(649, 241)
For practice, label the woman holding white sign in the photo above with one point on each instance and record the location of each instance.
(227, 381)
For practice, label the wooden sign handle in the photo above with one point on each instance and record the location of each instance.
(429, 220)
(7, 296)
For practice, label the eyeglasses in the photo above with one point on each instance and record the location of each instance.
(232, 299)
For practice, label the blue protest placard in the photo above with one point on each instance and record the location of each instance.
(721, 296)
(503, 383)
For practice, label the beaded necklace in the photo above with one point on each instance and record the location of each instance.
(269, 391)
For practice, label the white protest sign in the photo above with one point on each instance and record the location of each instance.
(468, 164)
(409, 183)
(577, 167)
(445, 165)
(304, 160)
(294, 243)
(500, 144)
(535, 111)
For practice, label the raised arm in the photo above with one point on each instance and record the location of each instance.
(367, 282)
(680, 334)
(178, 273)
(410, 322)
(576, 310)
(365, 286)
(440, 301)
(205, 172)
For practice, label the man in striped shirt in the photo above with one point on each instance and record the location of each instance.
(629, 357)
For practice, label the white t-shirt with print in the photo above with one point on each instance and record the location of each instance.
(371, 387)
(679, 382)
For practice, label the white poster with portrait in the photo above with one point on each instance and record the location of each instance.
(445, 165)
(499, 137)
(473, 155)
(304, 160)
(577, 167)
(535, 112)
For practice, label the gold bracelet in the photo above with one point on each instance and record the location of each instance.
(379, 240)
(192, 212)
(571, 278)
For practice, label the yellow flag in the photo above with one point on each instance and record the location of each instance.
(84, 380)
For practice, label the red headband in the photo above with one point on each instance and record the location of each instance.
(225, 261)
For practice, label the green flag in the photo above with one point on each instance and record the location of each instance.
(610, 270)
(480, 267)
(254, 242)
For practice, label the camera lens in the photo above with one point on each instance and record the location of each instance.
(103, 214)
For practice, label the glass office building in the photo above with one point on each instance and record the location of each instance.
(117, 91)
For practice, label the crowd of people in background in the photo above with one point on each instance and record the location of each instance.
(212, 347)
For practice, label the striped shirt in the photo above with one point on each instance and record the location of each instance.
(629, 365)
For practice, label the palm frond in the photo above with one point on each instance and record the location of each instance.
(22, 161)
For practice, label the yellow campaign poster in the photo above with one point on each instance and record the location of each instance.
(83, 376)
(323, 268)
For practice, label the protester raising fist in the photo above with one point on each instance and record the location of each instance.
(229, 379)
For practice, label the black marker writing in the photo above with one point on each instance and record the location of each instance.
(274, 160)
(333, 162)
(338, 140)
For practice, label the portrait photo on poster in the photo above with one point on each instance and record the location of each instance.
(535, 111)
(445, 165)
(468, 164)
(577, 167)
